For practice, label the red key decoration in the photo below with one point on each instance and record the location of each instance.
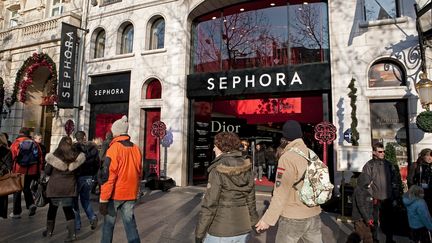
(158, 130)
(325, 133)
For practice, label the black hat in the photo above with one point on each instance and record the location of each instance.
(291, 130)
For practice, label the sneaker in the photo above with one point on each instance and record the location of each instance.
(93, 223)
(32, 210)
(15, 216)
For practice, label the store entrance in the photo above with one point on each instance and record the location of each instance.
(258, 122)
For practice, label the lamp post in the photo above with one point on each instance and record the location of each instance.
(424, 29)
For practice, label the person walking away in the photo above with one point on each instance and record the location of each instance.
(61, 189)
(270, 158)
(280, 148)
(362, 212)
(27, 160)
(228, 210)
(419, 218)
(420, 174)
(384, 191)
(259, 161)
(120, 177)
(5, 167)
(85, 174)
(296, 220)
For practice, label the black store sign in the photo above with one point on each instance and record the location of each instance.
(109, 92)
(310, 77)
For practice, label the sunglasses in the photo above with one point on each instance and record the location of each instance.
(380, 152)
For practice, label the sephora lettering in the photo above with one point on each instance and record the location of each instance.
(252, 81)
(100, 92)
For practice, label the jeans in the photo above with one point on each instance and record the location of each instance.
(84, 186)
(28, 196)
(382, 213)
(126, 209)
(292, 230)
(259, 171)
(233, 239)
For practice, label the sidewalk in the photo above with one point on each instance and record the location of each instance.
(162, 217)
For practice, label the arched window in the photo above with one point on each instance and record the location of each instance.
(157, 34)
(386, 73)
(127, 39)
(99, 44)
(154, 90)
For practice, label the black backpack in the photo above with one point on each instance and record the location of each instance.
(28, 153)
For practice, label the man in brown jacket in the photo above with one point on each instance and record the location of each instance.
(296, 220)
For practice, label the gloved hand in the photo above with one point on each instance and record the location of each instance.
(103, 208)
(198, 240)
(370, 223)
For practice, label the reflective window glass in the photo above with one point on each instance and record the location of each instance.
(207, 46)
(386, 74)
(380, 9)
(157, 36)
(100, 44)
(127, 39)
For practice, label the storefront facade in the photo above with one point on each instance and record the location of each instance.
(248, 66)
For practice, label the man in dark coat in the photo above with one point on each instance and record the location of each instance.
(362, 213)
(384, 191)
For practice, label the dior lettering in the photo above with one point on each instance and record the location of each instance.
(217, 126)
(252, 81)
(102, 92)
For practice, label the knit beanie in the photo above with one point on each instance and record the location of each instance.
(120, 126)
(291, 130)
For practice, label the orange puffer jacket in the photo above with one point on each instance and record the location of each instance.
(122, 168)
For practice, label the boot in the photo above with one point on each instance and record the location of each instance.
(70, 226)
(49, 228)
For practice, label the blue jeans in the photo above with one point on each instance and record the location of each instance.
(233, 239)
(126, 209)
(270, 172)
(84, 186)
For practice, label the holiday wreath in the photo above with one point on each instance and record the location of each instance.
(24, 77)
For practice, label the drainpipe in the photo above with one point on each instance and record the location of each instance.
(77, 84)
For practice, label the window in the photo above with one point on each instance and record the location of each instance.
(380, 9)
(99, 44)
(154, 90)
(13, 21)
(57, 7)
(127, 39)
(157, 34)
(386, 74)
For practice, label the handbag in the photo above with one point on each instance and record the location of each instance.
(11, 183)
(40, 195)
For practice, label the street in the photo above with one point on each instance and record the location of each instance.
(162, 217)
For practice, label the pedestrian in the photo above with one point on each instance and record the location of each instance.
(420, 174)
(280, 148)
(85, 175)
(120, 177)
(27, 160)
(5, 167)
(37, 137)
(7, 138)
(270, 158)
(228, 210)
(105, 144)
(362, 212)
(384, 191)
(259, 161)
(419, 218)
(296, 220)
(61, 189)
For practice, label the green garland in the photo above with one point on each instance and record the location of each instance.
(2, 93)
(352, 94)
(424, 121)
(22, 79)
